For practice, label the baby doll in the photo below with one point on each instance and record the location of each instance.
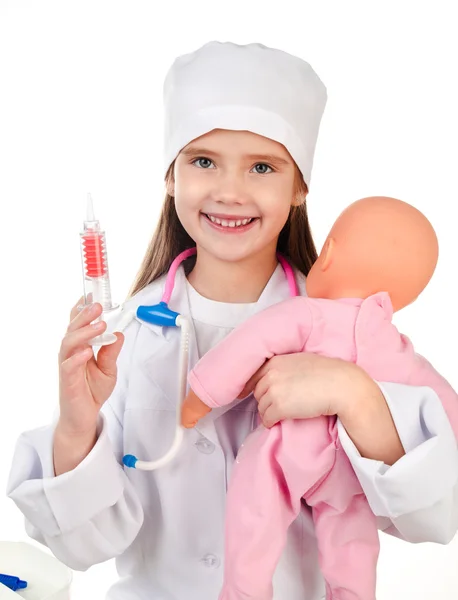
(379, 256)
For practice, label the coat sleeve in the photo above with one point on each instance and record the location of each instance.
(92, 513)
(416, 499)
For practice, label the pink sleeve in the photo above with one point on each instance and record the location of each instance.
(220, 376)
(387, 355)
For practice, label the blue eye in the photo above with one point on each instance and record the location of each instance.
(205, 163)
(201, 160)
(262, 165)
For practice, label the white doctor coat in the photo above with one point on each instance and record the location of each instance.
(166, 528)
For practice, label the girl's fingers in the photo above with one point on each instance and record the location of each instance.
(108, 355)
(269, 418)
(251, 383)
(75, 310)
(264, 404)
(261, 389)
(79, 306)
(69, 369)
(80, 318)
(77, 340)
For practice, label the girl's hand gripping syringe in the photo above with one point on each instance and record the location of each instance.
(96, 279)
(86, 381)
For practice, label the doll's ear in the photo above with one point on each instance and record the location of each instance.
(327, 253)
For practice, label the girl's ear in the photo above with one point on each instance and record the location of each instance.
(327, 253)
(300, 198)
(170, 187)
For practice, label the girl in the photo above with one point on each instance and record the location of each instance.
(241, 129)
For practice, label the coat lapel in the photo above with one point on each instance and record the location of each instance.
(158, 346)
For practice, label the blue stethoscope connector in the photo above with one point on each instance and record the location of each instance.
(129, 460)
(158, 314)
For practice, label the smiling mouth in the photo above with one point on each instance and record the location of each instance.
(236, 222)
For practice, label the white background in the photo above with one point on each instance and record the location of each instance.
(81, 110)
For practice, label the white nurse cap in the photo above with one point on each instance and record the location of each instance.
(252, 88)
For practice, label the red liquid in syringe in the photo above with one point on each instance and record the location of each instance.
(95, 263)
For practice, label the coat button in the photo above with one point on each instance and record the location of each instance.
(205, 446)
(211, 561)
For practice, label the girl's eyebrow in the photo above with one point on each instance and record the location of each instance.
(272, 158)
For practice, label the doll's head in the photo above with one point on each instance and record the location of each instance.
(377, 244)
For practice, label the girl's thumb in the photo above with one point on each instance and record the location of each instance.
(108, 355)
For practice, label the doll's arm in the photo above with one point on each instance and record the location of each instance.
(220, 376)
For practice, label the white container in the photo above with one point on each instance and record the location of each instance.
(47, 578)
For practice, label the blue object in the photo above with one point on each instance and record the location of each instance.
(158, 314)
(12, 582)
(130, 460)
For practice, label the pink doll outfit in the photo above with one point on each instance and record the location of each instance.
(302, 459)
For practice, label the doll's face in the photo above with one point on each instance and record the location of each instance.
(233, 192)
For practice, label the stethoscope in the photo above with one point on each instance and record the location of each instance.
(160, 314)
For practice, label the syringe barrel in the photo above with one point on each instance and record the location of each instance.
(94, 261)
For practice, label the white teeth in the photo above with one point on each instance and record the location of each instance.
(226, 223)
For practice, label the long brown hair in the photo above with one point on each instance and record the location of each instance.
(170, 238)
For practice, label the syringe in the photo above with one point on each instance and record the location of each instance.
(96, 279)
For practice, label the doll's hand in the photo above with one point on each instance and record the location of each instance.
(193, 410)
(303, 386)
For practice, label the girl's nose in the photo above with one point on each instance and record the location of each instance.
(230, 189)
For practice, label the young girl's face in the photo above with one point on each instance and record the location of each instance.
(233, 191)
